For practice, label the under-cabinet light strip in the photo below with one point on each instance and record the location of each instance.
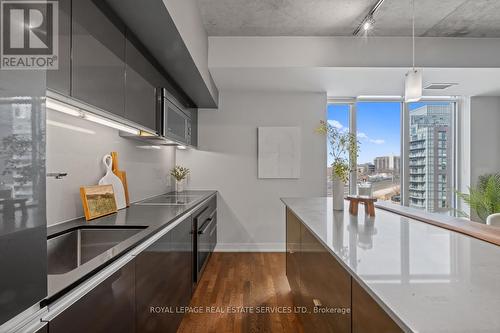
(77, 112)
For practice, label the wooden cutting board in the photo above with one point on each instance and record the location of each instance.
(120, 174)
(111, 179)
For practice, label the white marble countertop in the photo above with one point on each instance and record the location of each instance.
(428, 279)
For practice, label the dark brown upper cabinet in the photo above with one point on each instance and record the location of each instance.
(98, 57)
(140, 88)
(151, 22)
(59, 80)
(103, 63)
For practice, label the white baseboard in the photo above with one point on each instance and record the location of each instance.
(250, 247)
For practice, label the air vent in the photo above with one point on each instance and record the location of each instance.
(439, 86)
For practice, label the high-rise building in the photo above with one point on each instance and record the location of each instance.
(365, 169)
(387, 164)
(430, 157)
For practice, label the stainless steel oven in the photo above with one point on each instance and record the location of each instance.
(205, 224)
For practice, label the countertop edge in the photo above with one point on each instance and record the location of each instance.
(476, 230)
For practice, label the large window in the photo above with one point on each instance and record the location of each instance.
(338, 117)
(416, 169)
(430, 156)
(379, 161)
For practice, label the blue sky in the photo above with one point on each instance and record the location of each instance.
(378, 127)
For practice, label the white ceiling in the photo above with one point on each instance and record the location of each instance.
(445, 18)
(352, 82)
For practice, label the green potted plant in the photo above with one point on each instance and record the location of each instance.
(179, 173)
(484, 198)
(344, 148)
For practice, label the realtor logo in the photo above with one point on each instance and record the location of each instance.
(29, 34)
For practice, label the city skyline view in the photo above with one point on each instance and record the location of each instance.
(378, 131)
(378, 127)
(377, 138)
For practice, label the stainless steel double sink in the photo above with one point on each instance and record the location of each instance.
(75, 247)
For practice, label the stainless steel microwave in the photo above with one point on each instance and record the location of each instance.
(175, 122)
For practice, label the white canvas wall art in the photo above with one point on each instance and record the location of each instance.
(279, 152)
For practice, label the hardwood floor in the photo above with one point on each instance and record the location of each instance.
(243, 282)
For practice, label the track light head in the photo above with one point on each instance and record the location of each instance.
(369, 23)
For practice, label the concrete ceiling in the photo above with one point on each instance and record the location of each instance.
(443, 18)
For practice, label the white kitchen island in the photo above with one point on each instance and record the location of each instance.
(425, 278)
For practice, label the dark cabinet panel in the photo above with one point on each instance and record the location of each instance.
(292, 255)
(23, 222)
(320, 283)
(325, 285)
(367, 315)
(152, 23)
(308, 253)
(60, 80)
(205, 224)
(164, 279)
(108, 308)
(140, 92)
(317, 280)
(98, 57)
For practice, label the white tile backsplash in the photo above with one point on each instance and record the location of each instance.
(76, 146)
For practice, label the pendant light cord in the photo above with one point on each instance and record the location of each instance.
(413, 31)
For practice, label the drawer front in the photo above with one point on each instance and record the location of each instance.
(367, 315)
(108, 308)
(207, 238)
(164, 279)
(292, 255)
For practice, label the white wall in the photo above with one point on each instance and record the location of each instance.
(251, 216)
(485, 136)
(77, 146)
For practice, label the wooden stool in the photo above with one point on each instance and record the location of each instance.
(354, 201)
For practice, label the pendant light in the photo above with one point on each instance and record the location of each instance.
(413, 79)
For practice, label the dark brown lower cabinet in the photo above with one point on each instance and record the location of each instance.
(292, 255)
(108, 308)
(367, 315)
(325, 287)
(320, 284)
(164, 280)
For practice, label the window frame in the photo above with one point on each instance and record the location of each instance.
(405, 139)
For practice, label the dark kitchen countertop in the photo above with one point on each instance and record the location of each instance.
(154, 218)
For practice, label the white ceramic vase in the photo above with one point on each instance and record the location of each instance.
(179, 186)
(337, 193)
(493, 220)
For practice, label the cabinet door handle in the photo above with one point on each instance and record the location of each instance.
(205, 226)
